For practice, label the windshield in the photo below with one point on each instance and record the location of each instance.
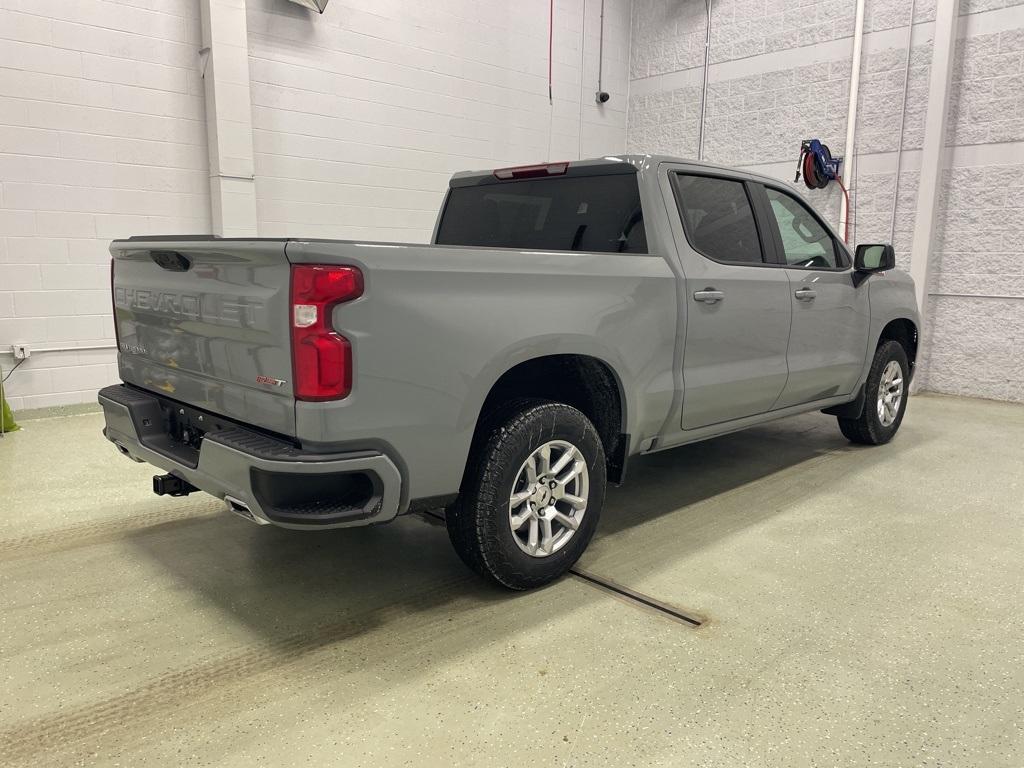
(585, 213)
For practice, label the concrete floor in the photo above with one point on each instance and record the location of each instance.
(863, 606)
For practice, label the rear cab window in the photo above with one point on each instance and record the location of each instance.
(598, 213)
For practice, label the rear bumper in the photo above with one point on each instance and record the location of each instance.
(271, 479)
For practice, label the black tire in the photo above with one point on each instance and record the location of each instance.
(868, 428)
(478, 522)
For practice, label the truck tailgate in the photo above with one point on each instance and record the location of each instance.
(205, 322)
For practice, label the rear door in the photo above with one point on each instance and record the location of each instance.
(737, 302)
(205, 322)
(828, 343)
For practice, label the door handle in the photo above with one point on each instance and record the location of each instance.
(805, 294)
(708, 296)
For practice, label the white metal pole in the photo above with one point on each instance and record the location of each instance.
(229, 118)
(947, 13)
(851, 115)
(704, 90)
(903, 123)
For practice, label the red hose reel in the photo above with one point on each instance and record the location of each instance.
(818, 168)
(817, 164)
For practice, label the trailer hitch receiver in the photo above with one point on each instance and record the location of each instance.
(169, 485)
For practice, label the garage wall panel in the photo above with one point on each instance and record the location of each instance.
(762, 100)
(359, 116)
(975, 337)
(362, 114)
(669, 36)
(101, 136)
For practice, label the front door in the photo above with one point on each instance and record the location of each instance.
(737, 303)
(827, 347)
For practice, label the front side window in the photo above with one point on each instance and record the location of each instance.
(717, 218)
(584, 213)
(805, 242)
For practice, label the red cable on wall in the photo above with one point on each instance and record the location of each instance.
(551, 34)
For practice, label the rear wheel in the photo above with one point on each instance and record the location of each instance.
(532, 495)
(885, 394)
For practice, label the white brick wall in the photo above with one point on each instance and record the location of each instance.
(781, 75)
(101, 135)
(359, 117)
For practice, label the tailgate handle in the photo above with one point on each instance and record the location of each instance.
(171, 260)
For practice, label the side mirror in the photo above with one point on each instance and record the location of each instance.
(874, 258)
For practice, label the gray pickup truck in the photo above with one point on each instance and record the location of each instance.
(566, 317)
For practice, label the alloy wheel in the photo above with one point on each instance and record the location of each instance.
(549, 498)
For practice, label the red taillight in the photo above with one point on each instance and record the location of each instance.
(532, 171)
(321, 357)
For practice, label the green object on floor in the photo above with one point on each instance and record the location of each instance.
(7, 416)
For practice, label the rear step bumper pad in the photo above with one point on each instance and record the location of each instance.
(232, 462)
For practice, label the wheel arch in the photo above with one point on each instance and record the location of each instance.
(905, 331)
(899, 329)
(586, 381)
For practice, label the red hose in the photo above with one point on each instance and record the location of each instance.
(846, 234)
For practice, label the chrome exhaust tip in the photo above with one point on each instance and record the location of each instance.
(241, 509)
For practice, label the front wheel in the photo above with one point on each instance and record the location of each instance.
(885, 401)
(532, 495)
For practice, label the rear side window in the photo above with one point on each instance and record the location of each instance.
(585, 213)
(717, 218)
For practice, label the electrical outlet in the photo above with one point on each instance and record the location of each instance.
(21, 351)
